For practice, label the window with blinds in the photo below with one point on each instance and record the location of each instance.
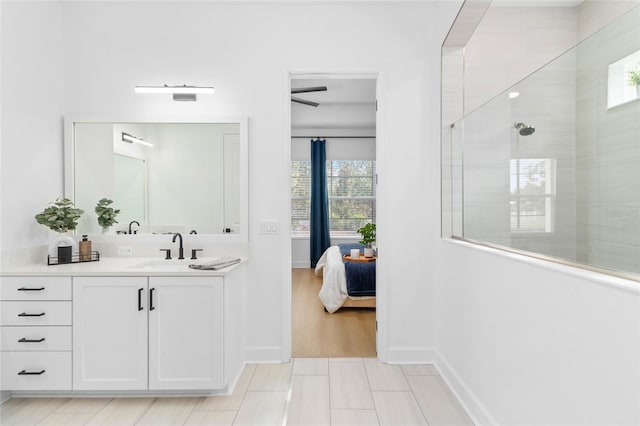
(351, 189)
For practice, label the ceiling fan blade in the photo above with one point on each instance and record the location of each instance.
(309, 89)
(304, 101)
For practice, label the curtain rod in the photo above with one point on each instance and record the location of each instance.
(328, 137)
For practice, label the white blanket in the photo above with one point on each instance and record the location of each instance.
(334, 285)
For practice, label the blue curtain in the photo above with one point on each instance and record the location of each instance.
(319, 215)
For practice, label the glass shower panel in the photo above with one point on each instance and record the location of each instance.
(550, 167)
(485, 172)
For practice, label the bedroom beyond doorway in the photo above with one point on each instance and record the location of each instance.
(340, 113)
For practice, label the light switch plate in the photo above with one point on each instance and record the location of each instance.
(268, 227)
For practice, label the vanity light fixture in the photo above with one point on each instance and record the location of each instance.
(126, 137)
(180, 93)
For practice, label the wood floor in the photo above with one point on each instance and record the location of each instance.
(349, 332)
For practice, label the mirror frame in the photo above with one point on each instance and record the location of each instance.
(243, 121)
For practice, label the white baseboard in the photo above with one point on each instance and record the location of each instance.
(264, 354)
(418, 355)
(305, 264)
(430, 355)
(5, 396)
(231, 385)
(476, 410)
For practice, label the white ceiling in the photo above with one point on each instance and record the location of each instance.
(347, 104)
(344, 91)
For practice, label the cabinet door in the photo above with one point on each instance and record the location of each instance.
(186, 333)
(109, 333)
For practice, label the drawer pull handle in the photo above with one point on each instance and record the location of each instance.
(30, 373)
(24, 314)
(25, 340)
(30, 289)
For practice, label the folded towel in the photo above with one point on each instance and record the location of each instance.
(216, 264)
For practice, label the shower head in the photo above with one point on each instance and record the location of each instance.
(524, 129)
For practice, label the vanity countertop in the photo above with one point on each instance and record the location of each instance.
(120, 266)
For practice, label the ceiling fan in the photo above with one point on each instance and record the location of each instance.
(306, 90)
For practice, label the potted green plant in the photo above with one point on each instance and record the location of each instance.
(634, 80)
(106, 215)
(368, 233)
(61, 216)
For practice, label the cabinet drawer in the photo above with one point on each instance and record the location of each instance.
(35, 313)
(35, 338)
(35, 288)
(49, 371)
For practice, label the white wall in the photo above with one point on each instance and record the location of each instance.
(32, 102)
(529, 343)
(246, 50)
(301, 250)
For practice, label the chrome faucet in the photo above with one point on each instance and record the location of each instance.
(131, 223)
(180, 249)
(193, 231)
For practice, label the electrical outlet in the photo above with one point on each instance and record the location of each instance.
(268, 227)
(125, 251)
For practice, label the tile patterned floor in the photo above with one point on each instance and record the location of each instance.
(306, 391)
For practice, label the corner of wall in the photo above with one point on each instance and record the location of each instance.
(472, 405)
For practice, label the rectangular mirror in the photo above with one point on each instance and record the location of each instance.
(167, 175)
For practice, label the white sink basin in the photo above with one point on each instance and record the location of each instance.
(165, 265)
(162, 267)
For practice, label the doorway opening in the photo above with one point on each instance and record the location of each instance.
(342, 112)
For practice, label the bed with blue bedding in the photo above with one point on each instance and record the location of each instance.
(345, 283)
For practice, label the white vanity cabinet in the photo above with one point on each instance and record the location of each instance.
(155, 333)
(35, 333)
(110, 333)
(186, 333)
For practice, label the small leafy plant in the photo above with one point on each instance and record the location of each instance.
(634, 78)
(106, 215)
(368, 233)
(60, 216)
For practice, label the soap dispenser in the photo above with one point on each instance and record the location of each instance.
(85, 249)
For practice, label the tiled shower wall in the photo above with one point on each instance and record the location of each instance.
(511, 43)
(608, 151)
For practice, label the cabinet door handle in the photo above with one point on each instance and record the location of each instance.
(151, 307)
(25, 340)
(140, 290)
(30, 289)
(30, 373)
(24, 314)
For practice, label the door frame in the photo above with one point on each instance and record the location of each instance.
(381, 305)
